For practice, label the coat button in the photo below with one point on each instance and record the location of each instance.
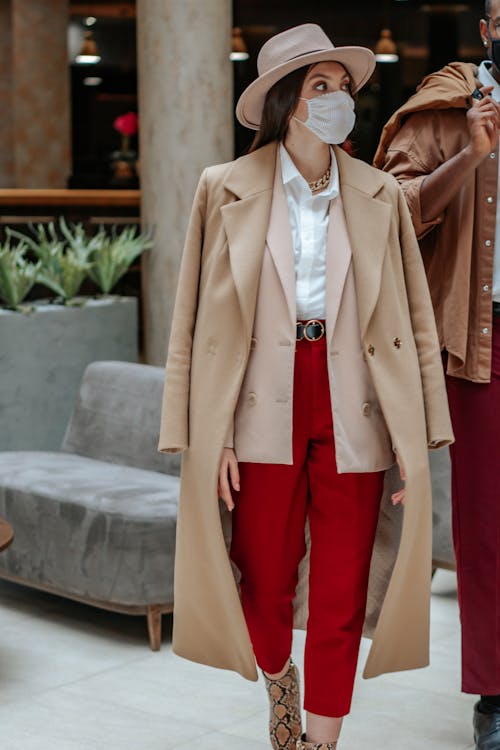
(486, 331)
(486, 287)
(488, 243)
(367, 407)
(371, 350)
(397, 343)
(492, 155)
(252, 398)
(253, 342)
(490, 199)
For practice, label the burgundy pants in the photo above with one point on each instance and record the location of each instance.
(268, 544)
(475, 458)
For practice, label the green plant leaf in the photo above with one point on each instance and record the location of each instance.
(66, 255)
(114, 255)
(78, 240)
(64, 262)
(17, 274)
(65, 273)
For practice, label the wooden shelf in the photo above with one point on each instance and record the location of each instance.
(41, 197)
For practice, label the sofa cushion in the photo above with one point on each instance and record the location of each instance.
(89, 528)
(443, 553)
(116, 416)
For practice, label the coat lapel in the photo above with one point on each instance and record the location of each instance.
(246, 221)
(280, 243)
(368, 221)
(338, 259)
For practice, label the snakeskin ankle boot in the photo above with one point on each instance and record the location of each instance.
(303, 745)
(285, 724)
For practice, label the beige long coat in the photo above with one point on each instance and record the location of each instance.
(209, 350)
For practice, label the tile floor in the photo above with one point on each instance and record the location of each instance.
(76, 678)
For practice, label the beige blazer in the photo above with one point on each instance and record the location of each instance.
(208, 359)
(263, 419)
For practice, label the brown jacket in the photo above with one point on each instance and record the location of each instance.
(457, 246)
(209, 352)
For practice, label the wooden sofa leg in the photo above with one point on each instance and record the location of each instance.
(154, 626)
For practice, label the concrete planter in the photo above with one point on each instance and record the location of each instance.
(43, 354)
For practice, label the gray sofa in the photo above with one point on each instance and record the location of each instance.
(96, 520)
(443, 555)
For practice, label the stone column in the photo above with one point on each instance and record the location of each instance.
(6, 118)
(186, 123)
(34, 92)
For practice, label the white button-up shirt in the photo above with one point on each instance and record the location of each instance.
(309, 224)
(487, 79)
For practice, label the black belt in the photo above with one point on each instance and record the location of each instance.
(496, 308)
(311, 330)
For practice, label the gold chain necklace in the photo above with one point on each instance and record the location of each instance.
(323, 181)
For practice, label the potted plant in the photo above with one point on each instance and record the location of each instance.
(46, 344)
(123, 161)
(63, 263)
(17, 274)
(113, 255)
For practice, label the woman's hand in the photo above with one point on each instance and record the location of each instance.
(400, 496)
(229, 476)
(483, 120)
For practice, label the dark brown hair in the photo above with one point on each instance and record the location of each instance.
(279, 105)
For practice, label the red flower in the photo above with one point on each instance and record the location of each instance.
(127, 124)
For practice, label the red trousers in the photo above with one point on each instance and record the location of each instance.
(475, 461)
(268, 544)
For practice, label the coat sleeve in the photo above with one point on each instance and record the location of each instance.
(439, 429)
(229, 441)
(174, 432)
(413, 154)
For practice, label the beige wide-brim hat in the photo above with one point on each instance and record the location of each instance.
(292, 49)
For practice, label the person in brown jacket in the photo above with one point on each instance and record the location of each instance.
(442, 147)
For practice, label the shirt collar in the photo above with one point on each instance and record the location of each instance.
(289, 173)
(485, 77)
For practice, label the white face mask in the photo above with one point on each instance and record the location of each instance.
(330, 116)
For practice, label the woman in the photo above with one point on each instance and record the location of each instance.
(303, 354)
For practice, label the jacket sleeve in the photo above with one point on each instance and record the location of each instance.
(412, 155)
(174, 431)
(439, 429)
(229, 441)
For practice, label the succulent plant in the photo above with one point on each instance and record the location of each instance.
(111, 259)
(17, 274)
(63, 266)
(66, 257)
(42, 240)
(64, 274)
(78, 240)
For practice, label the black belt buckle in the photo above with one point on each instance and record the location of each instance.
(312, 330)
